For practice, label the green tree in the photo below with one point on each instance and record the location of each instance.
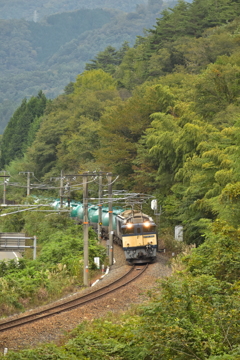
(217, 88)
(171, 25)
(20, 132)
(68, 136)
(123, 125)
(219, 255)
(108, 59)
(93, 80)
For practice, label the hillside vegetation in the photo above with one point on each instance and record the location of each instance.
(58, 269)
(164, 116)
(46, 55)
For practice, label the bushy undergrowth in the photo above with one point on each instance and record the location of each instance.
(57, 269)
(219, 255)
(187, 318)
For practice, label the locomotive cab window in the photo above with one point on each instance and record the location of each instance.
(149, 228)
(129, 229)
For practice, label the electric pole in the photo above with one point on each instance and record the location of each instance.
(110, 216)
(4, 189)
(85, 230)
(4, 186)
(100, 208)
(85, 217)
(29, 173)
(85, 224)
(61, 190)
(61, 178)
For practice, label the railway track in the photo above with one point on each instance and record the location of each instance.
(68, 305)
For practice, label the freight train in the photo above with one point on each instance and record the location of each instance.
(135, 231)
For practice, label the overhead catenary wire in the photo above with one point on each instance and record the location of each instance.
(77, 186)
(18, 211)
(117, 196)
(39, 186)
(31, 185)
(106, 185)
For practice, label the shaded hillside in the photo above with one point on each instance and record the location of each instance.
(48, 55)
(30, 9)
(25, 48)
(26, 45)
(49, 36)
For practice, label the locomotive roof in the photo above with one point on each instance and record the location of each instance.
(134, 216)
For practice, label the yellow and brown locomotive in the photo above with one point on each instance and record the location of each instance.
(138, 234)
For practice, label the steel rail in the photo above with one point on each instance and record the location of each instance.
(70, 304)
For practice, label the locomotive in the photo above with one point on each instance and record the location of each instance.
(138, 236)
(133, 230)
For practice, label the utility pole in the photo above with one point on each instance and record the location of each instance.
(85, 217)
(85, 230)
(4, 186)
(100, 208)
(61, 190)
(61, 178)
(4, 189)
(29, 173)
(110, 214)
(85, 224)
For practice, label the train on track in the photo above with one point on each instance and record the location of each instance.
(136, 232)
(133, 230)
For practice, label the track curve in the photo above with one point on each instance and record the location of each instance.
(127, 278)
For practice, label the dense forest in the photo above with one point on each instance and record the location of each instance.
(48, 53)
(164, 116)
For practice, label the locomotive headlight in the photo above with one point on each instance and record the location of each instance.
(146, 223)
(129, 225)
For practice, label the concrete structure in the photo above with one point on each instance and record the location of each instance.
(9, 255)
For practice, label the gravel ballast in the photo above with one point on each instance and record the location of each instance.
(54, 328)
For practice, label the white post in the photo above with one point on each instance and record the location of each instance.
(34, 248)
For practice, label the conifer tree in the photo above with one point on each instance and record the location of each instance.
(15, 136)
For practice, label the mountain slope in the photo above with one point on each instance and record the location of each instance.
(32, 10)
(50, 54)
